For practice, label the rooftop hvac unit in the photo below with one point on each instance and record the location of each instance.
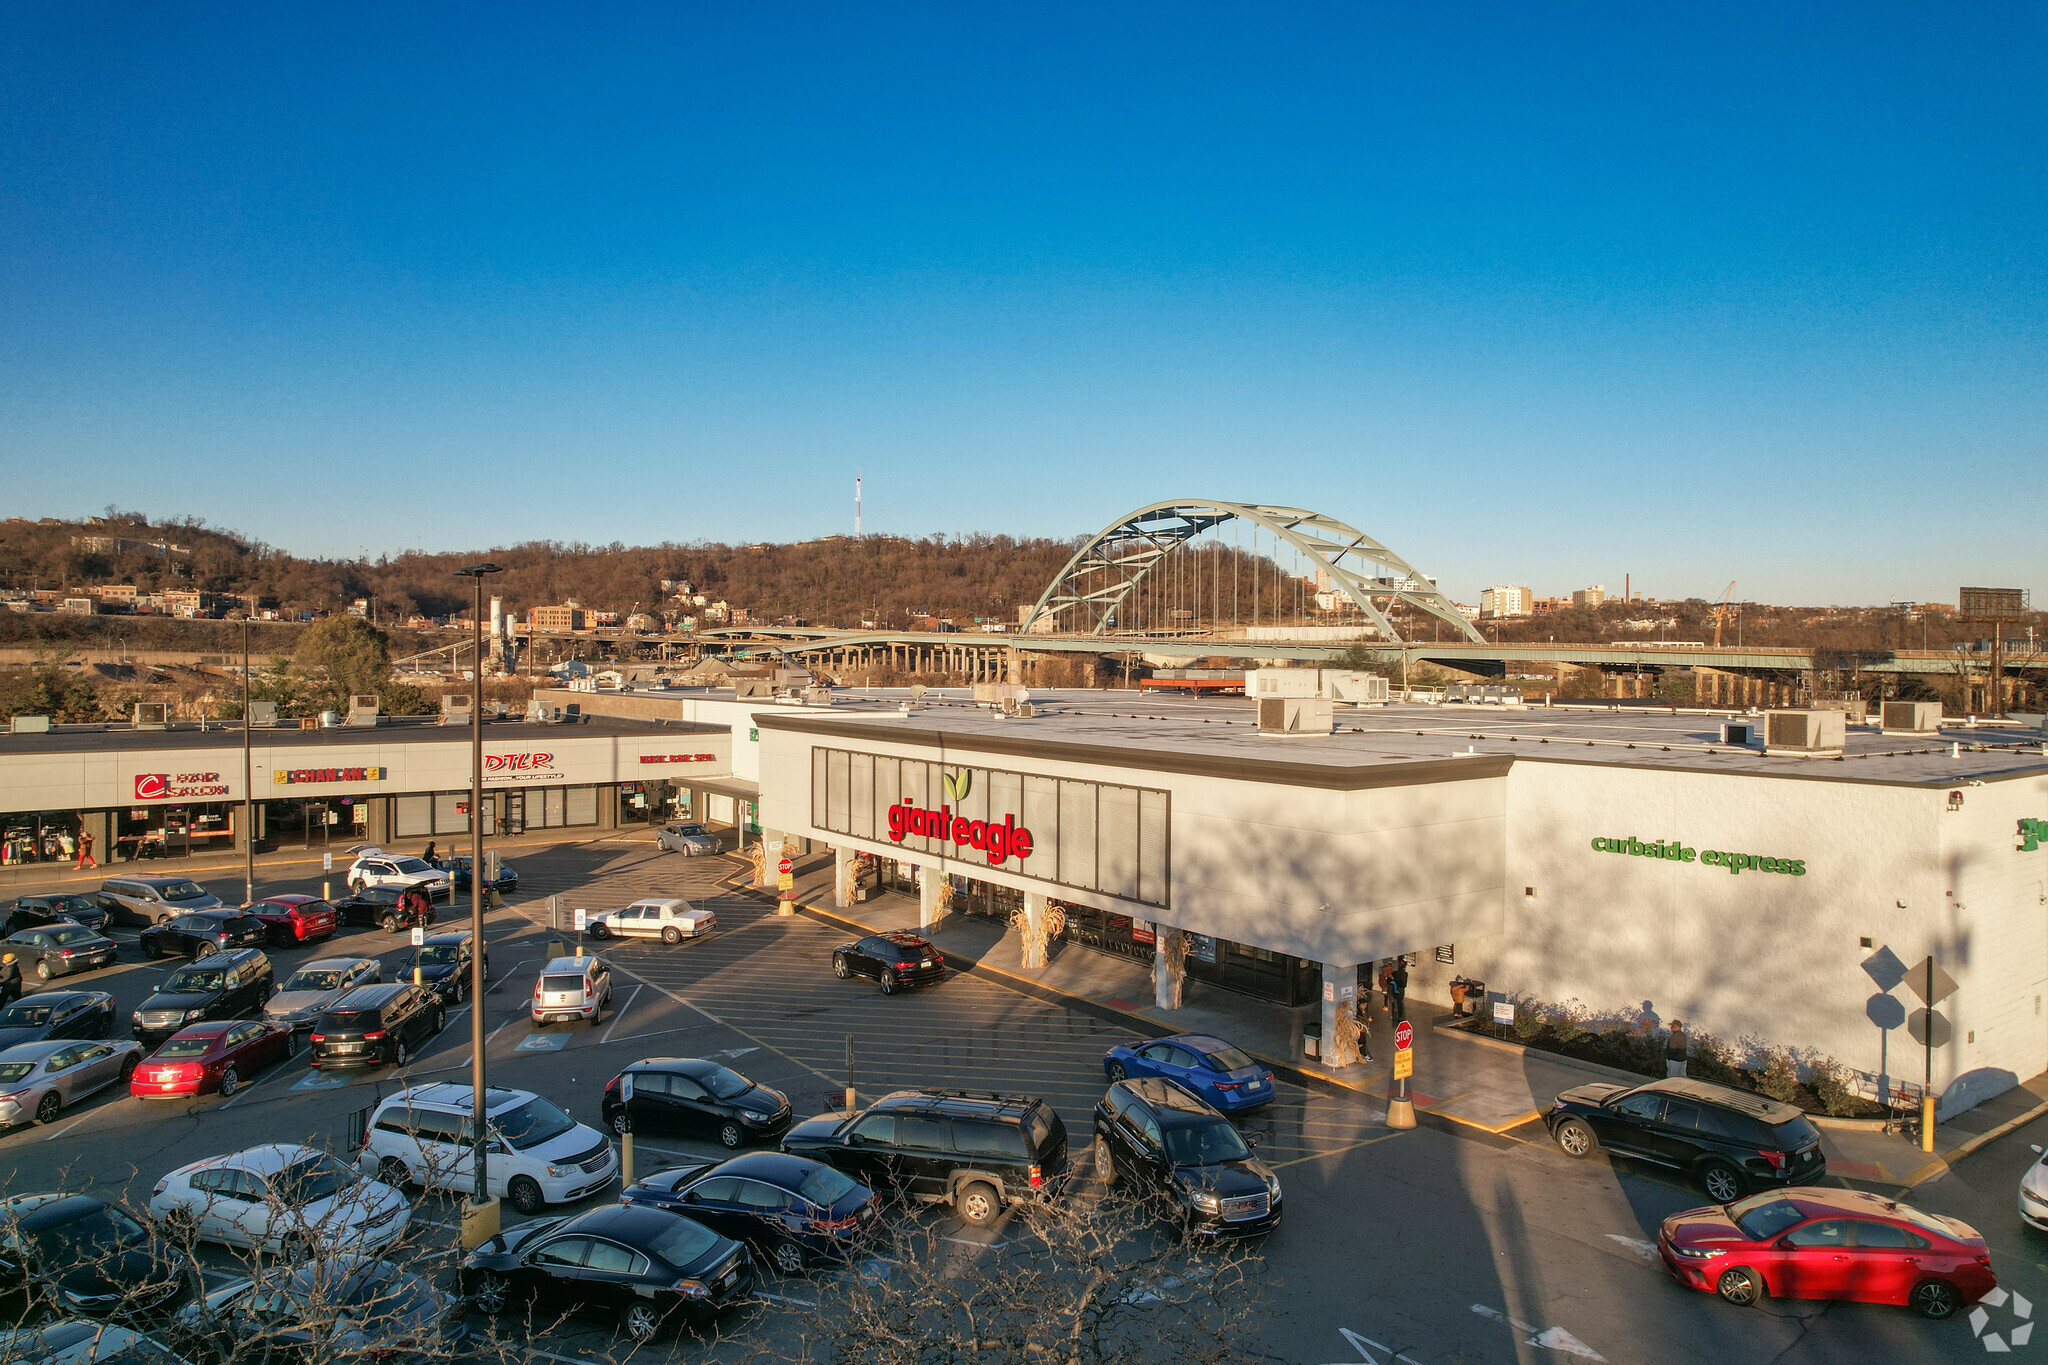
(1360, 689)
(152, 715)
(539, 712)
(1738, 732)
(1285, 682)
(817, 696)
(31, 725)
(1804, 734)
(455, 708)
(262, 713)
(362, 710)
(1295, 716)
(743, 688)
(1910, 717)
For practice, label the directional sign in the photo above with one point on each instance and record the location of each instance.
(1503, 1012)
(1917, 978)
(419, 936)
(1930, 1028)
(582, 919)
(327, 862)
(1404, 1035)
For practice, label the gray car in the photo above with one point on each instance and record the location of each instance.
(41, 1080)
(60, 950)
(308, 992)
(687, 840)
(154, 900)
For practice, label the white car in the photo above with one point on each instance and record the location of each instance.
(671, 921)
(376, 868)
(308, 992)
(283, 1198)
(2034, 1193)
(81, 1341)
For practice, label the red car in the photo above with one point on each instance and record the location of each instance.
(1812, 1243)
(295, 919)
(212, 1057)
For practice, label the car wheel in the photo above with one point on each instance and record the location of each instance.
(888, 981)
(391, 924)
(201, 949)
(489, 1293)
(129, 1064)
(671, 935)
(978, 1203)
(393, 1172)
(789, 1258)
(598, 930)
(839, 967)
(1740, 1286)
(1721, 1181)
(1105, 1164)
(639, 1321)
(401, 1055)
(151, 948)
(230, 1082)
(1575, 1139)
(525, 1195)
(731, 1134)
(440, 1020)
(164, 918)
(42, 969)
(291, 1043)
(622, 1122)
(1117, 1071)
(1935, 1299)
(48, 1107)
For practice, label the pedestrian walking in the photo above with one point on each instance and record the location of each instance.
(1674, 1050)
(10, 979)
(1397, 991)
(1363, 1013)
(427, 855)
(85, 858)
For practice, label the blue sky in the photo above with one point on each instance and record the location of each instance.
(1536, 293)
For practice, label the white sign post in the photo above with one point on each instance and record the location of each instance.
(419, 936)
(582, 917)
(327, 862)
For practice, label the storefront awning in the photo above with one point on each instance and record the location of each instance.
(722, 786)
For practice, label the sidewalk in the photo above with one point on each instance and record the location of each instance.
(1471, 1082)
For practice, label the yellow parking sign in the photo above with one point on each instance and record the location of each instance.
(1404, 1064)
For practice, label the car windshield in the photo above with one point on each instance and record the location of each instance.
(1228, 1059)
(411, 866)
(683, 1243)
(184, 1047)
(11, 1072)
(182, 891)
(73, 905)
(194, 979)
(310, 979)
(1763, 1216)
(725, 1084)
(826, 1187)
(24, 1016)
(97, 1230)
(1205, 1144)
(314, 1178)
(440, 954)
(533, 1123)
(77, 933)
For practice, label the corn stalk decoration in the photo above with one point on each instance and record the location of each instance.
(1037, 938)
(849, 881)
(1174, 950)
(757, 854)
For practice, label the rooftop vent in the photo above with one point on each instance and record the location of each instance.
(1295, 716)
(455, 708)
(262, 713)
(1910, 717)
(1804, 734)
(152, 715)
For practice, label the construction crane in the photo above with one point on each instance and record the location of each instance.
(1721, 612)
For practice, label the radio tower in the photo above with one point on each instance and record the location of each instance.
(856, 504)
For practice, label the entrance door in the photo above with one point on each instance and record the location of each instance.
(515, 813)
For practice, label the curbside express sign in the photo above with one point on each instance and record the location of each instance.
(1673, 850)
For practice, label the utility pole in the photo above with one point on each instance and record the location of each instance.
(248, 789)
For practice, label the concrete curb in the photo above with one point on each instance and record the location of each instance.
(1612, 1073)
(1948, 1160)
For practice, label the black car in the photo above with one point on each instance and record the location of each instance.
(793, 1210)
(457, 869)
(1152, 1132)
(443, 964)
(56, 1014)
(1730, 1141)
(896, 959)
(383, 1024)
(204, 932)
(72, 1254)
(979, 1152)
(378, 905)
(644, 1267)
(685, 1095)
(30, 911)
(59, 950)
(225, 986)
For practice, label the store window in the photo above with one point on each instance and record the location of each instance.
(142, 833)
(38, 837)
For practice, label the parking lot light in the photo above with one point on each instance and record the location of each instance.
(479, 1220)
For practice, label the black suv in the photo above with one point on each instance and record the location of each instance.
(379, 905)
(897, 959)
(204, 932)
(978, 1152)
(1731, 1141)
(1152, 1131)
(225, 986)
(446, 965)
(376, 1025)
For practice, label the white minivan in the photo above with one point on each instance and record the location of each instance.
(534, 1154)
(669, 919)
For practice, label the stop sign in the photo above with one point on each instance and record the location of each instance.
(1404, 1034)
(786, 867)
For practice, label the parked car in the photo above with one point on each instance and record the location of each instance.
(281, 1198)
(980, 1153)
(57, 1014)
(457, 869)
(80, 1341)
(211, 1058)
(225, 986)
(372, 906)
(792, 1210)
(208, 931)
(59, 950)
(537, 1155)
(571, 989)
(895, 960)
(41, 1080)
(1214, 1070)
(1729, 1140)
(670, 920)
(377, 1025)
(293, 920)
(30, 911)
(152, 900)
(72, 1253)
(375, 868)
(345, 1307)
(445, 963)
(686, 839)
(1811, 1243)
(307, 992)
(1153, 1132)
(645, 1267)
(688, 1096)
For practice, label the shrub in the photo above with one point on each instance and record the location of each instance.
(1707, 1058)
(1779, 1078)
(1528, 1021)
(1568, 1025)
(1832, 1086)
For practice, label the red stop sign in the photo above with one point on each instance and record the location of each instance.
(786, 866)
(1404, 1034)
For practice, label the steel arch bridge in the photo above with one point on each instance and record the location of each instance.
(1112, 565)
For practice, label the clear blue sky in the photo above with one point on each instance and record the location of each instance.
(1540, 293)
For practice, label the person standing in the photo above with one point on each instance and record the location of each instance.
(1397, 991)
(1363, 1014)
(10, 979)
(1675, 1049)
(85, 858)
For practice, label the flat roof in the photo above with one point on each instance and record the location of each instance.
(70, 739)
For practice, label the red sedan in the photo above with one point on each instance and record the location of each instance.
(295, 919)
(213, 1057)
(1812, 1243)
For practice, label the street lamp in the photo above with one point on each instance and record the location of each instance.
(479, 1225)
(248, 791)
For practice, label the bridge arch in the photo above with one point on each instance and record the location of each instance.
(1112, 564)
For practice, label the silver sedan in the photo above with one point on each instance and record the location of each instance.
(40, 1080)
(299, 1003)
(686, 839)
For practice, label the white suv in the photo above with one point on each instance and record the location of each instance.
(374, 867)
(671, 921)
(534, 1154)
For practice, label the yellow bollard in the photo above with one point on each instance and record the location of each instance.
(479, 1223)
(1927, 1123)
(326, 891)
(625, 1160)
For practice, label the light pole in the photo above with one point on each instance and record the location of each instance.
(248, 790)
(481, 1224)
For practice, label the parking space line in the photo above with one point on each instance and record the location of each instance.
(67, 1128)
(620, 1017)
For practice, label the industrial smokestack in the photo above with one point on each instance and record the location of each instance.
(856, 504)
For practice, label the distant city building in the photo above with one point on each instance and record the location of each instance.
(566, 617)
(79, 606)
(1502, 600)
(115, 545)
(1590, 597)
(1469, 613)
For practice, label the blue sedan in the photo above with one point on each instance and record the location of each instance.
(1210, 1067)
(458, 873)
